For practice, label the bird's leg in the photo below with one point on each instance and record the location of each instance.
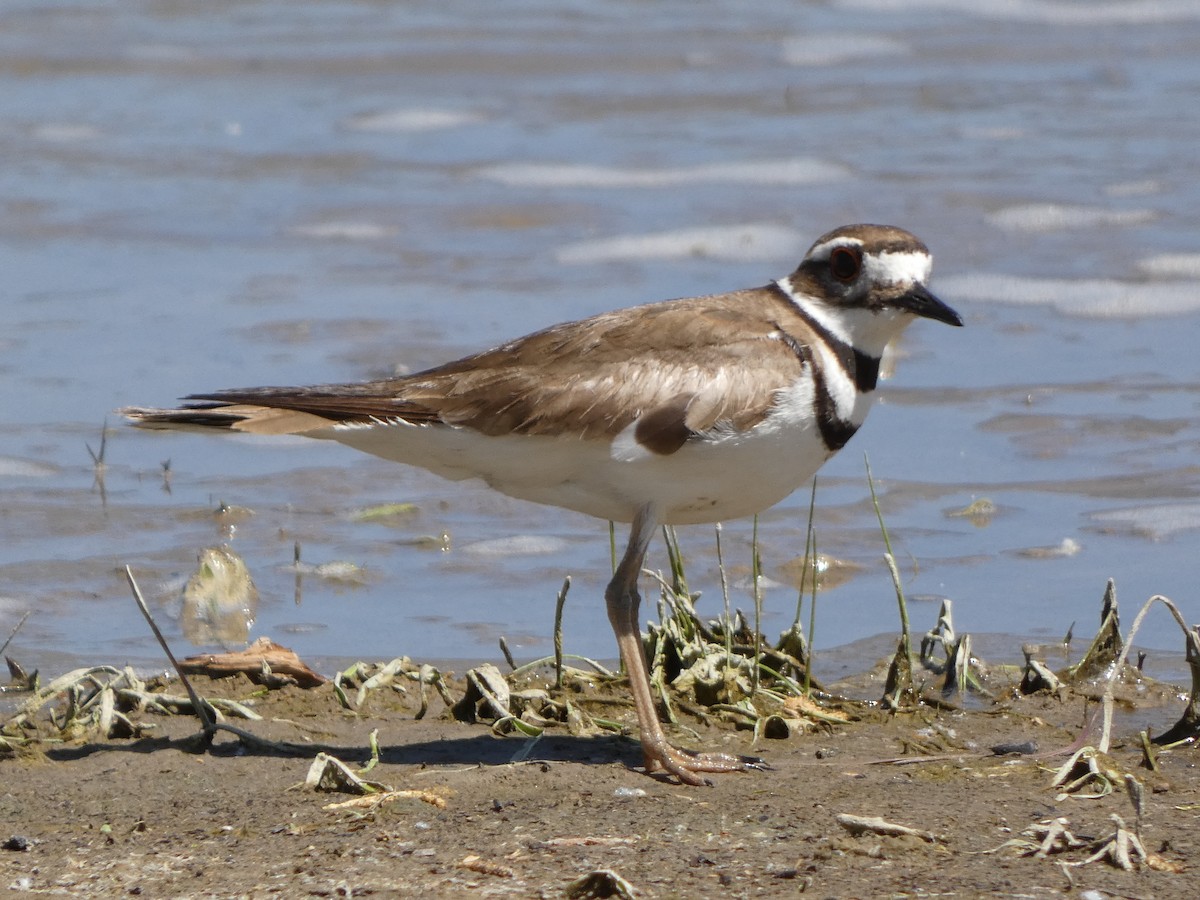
(622, 600)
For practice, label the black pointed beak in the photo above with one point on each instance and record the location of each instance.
(920, 302)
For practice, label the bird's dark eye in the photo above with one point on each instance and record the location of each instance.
(845, 263)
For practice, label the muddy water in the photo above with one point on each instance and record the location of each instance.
(214, 195)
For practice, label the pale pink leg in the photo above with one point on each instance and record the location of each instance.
(622, 600)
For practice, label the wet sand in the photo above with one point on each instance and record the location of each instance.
(152, 817)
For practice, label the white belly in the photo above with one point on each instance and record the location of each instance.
(719, 477)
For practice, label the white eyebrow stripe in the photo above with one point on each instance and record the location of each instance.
(822, 251)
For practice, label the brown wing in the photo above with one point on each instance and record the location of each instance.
(681, 367)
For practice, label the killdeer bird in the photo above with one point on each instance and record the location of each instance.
(691, 410)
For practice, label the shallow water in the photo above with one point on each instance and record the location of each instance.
(215, 195)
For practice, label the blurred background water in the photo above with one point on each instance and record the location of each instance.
(197, 196)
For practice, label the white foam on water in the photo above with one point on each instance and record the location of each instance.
(15, 606)
(827, 49)
(161, 53)
(65, 132)
(14, 467)
(407, 120)
(517, 545)
(345, 231)
(1097, 298)
(1171, 265)
(1155, 522)
(739, 242)
(1134, 188)
(1065, 548)
(1040, 217)
(992, 132)
(802, 170)
(1058, 12)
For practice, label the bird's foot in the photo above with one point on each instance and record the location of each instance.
(664, 760)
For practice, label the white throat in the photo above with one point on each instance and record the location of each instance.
(869, 331)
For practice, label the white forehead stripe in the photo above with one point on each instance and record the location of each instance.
(909, 267)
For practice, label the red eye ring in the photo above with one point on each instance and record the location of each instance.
(845, 263)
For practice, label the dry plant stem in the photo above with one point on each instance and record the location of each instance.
(623, 600)
(559, 603)
(902, 684)
(1119, 666)
(900, 676)
(812, 607)
(1105, 645)
(728, 624)
(596, 667)
(756, 576)
(809, 555)
(679, 585)
(612, 545)
(891, 563)
(1188, 726)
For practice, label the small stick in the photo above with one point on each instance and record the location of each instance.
(875, 825)
(508, 657)
(299, 578)
(202, 709)
(98, 465)
(12, 634)
(98, 457)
